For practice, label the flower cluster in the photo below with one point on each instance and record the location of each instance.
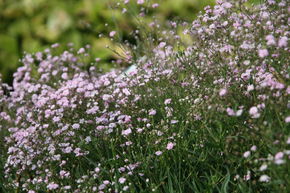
(178, 114)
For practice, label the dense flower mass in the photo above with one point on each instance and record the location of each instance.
(186, 118)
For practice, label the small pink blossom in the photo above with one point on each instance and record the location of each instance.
(81, 51)
(253, 148)
(76, 126)
(52, 186)
(227, 5)
(64, 76)
(170, 146)
(167, 101)
(122, 180)
(152, 112)
(250, 88)
(287, 119)
(246, 154)
(97, 170)
(126, 132)
(107, 97)
(112, 33)
(230, 112)
(254, 112)
(283, 41)
(223, 92)
(263, 53)
(140, 2)
(162, 45)
(158, 153)
(279, 155)
(155, 5)
(270, 40)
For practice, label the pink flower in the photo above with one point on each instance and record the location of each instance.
(254, 112)
(167, 101)
(247, 154)
(170, 146)
(263, 53)
(223, 92)
(158, 153)
(230, 112)
(287, 119)
(152, 112)
(253, 148)
(140, 2)
(97, 170)
(279, 155)
(162, 45)
(52, 186)
(112, 33)
(76, 126)
(102, 187)
(250, 87)
(270, 40)
(64, 76)
(283, 41)
(122, 180)
(106, 97)
(126, 91)
(81, 51)
(227, 5)
(155, 5)
(126, 132)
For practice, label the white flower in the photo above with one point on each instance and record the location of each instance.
(263, 167)
(247, 154)
(264, 178)
(239, 112)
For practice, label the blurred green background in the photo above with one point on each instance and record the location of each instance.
(32, 25)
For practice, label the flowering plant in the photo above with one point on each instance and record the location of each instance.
(209, 116)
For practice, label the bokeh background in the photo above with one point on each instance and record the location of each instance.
(33, 25)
